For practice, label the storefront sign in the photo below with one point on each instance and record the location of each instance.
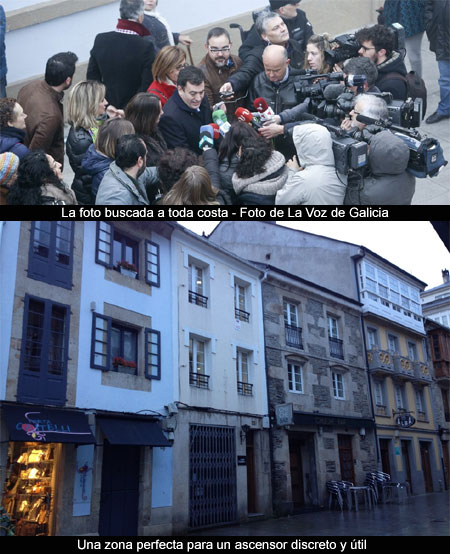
(82, 490)
(284, 414)
(405, 420)
(332, 421)
(42, 424)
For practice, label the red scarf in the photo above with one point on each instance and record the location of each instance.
(134, 26)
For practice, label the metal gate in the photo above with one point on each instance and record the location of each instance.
(212, 482)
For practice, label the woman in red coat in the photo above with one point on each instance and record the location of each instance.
(168, 63)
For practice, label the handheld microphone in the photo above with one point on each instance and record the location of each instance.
(216, 130)
(206, 137)
(331, 92)
(263, 108)
(242, 114)
(219, 117)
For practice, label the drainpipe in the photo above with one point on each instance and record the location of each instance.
(357, 258)
(272, 461)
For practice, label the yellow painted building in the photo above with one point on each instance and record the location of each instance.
(400, 374)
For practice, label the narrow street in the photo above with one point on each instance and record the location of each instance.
(422, 515)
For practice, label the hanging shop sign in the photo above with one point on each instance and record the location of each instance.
(405, 420)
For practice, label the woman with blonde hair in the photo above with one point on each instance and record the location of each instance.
(87, 110)
(193, 188)
(166, 67)
(315, 53)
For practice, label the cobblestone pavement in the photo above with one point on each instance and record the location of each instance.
(422, 515)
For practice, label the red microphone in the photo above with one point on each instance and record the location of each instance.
(242, 114)
(216, 130)
(264, 109)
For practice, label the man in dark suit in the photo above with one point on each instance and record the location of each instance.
(122, 59)
(186, 111)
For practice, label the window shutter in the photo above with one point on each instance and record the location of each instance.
(152, 267)
(101, 342)
(104, 243)
(152, 354)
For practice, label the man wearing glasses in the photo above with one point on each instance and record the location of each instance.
(377, 44)
(217, 66)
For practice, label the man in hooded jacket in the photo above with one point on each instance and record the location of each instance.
(317, 181)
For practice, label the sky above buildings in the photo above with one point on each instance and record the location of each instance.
(411, 245)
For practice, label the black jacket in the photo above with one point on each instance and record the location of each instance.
(300, 29)
(77, 143)
(388, 82)
(123, 63)
(180, 124)
(253, 64)
(12, 140)
(437, 17)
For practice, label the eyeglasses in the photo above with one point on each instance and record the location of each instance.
(365, 48)
(218, 50)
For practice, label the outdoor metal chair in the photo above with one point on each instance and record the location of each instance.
(334, 494)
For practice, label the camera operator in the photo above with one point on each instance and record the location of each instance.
(362, 66)
(377, 44)
(386, 182)
(272, 30)
(299, 28)
(276, 85)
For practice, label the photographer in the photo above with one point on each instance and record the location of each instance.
(386, 181)
(377, 44)
(362, 66)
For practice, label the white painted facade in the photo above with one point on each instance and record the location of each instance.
(217, 327)
(29, 48)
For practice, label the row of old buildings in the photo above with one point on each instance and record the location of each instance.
(155, 382)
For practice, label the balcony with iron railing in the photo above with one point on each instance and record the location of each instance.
(198, 299)
(241, 315)
(246, 389)
(293, 336)
(336, 348)
(199, 380)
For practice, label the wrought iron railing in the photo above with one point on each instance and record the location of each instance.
(246, 389)
(198, 299)
(199, 380)
(293, 336)
(242, 315)
(336, 348)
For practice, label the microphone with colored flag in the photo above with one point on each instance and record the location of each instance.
(216, 130)
(220, 118)
(242, 114)
(206, 137)
(263, 108)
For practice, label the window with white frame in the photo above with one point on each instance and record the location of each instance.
(293, 333)
(393, 344)
(399, 397)
(338, 385)
(420, 401)
(378, 391)
(241, 301)
(372, 338)
(335, 343)
(244, 386)
(198, 376)
(295, 377)
(197, 275)
(412, 351)
(391, 291)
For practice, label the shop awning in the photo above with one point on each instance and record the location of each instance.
(132, 431)
(43, 424)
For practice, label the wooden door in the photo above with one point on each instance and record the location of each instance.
(426, 465)
(406, 463)
(384, 453)
(346, 458)
(295, 455)
(120, 491)
(251, 473)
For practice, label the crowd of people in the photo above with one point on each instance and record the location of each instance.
(147, 127)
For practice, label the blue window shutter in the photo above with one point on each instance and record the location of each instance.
(152, 354)
(152, 263)
(104, 243)
(101, 342)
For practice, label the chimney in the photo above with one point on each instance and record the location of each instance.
(445, 276)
